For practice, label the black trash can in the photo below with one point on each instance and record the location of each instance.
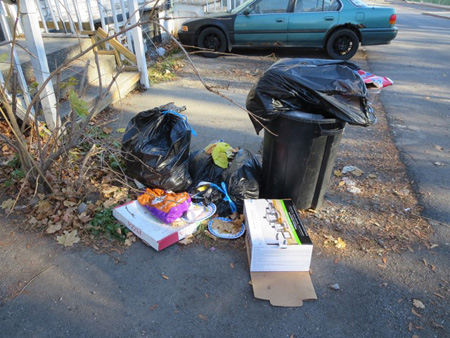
(297, 163)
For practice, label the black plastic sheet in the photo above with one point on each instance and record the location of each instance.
(156, 148)
(327, 87)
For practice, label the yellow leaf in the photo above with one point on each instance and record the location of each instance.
(164, 276)
(202, 317)
(121, 130)
(337, 173)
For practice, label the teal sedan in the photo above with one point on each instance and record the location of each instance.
(338, 26)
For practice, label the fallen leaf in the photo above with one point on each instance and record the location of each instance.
(107, 130)
(8, 204)
(69, 204)
(232, 265)
(68, 238)
(432, 246)
(203, 317)
(53, 227)
(250, 282)
(357, 172)
(109, 203)
(415, 313)
(410, 327)
(206, 295)
(372, 176)
(121, 130)
(415, 336)
(337, 173)
(165, 277)
(433, 268)
(340, 244)
(425, 262)
(384, 259)
(438, 164)
(418, 304)
(187, 240)
(153, 307)
(292, 335)
(130, 240)
(44, 207)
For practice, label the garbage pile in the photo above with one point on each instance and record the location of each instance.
(303, 105)
(184, 187)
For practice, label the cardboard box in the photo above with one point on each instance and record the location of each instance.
(281, 288)
(151, 230)
(278, 240)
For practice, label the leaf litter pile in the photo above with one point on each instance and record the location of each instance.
(88, 181)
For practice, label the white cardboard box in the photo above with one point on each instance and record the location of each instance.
(281, 288)
(277, 237)
(152, 231)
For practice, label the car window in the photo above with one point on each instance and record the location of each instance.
(317, 5)
(269, 6)
(358, 3)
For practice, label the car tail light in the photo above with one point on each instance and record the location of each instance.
(393, 19)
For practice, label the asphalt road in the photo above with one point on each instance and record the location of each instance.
(46, 291)
(418, 105)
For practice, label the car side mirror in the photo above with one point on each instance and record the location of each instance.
(246, 12)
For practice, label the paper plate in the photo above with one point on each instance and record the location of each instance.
(225, 236)
(210, 210)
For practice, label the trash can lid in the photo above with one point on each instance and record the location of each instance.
(307, 117)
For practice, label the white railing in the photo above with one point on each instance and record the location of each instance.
(70, 18)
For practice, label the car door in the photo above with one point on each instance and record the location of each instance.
(311, 20)
(263, 23)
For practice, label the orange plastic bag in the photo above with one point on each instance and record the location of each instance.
(167, 206)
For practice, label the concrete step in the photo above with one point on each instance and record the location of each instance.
(124, 84)
(83, 70)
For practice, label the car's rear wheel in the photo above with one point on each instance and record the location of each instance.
(214, 39)
(342, 44)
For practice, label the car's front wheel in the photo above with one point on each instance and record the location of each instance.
(214, 39)
(342, 44)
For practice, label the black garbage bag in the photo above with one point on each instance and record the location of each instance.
(228, 188)
(202, 168)
(156, 148)
(242, 179)
(327, 87)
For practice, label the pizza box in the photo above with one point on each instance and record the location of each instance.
(152, 231)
